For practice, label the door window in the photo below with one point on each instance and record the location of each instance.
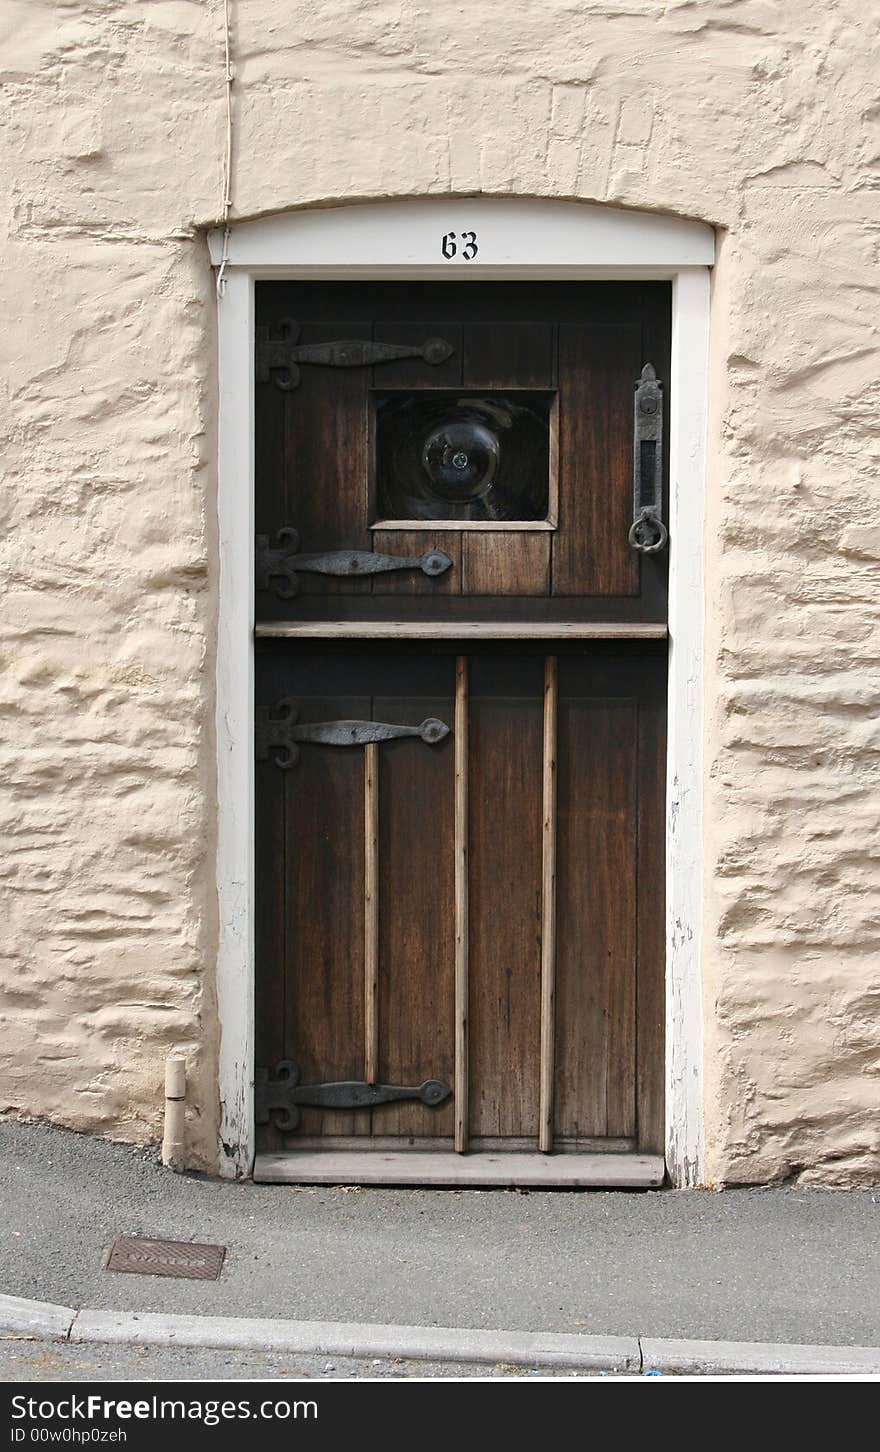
(461, 457)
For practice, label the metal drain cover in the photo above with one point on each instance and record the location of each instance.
(137, 1256)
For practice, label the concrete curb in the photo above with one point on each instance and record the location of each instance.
(39, 1320)
(353, 1339)
(758, 1357)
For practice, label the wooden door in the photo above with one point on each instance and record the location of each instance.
(460, 768)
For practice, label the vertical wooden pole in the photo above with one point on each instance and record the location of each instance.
(461, 905)
(548, 907)
(371, 912)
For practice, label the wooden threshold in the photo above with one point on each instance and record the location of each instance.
(472, 1171)
(455, 630)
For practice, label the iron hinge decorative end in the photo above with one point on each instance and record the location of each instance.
(648, 534)
(278, 1099)
(277, 566)
(273, 734)
(281, 358)
(276, 732)
(274, 567)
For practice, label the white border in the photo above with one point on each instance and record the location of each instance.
(517, 238)
(235, 749)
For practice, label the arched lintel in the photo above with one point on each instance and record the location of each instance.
(528, 236)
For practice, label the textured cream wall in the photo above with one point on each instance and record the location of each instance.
(761, 118)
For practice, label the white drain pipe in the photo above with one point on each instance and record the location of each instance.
(175, 1112)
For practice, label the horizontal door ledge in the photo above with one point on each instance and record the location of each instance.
(474, 1171)
(456, 630)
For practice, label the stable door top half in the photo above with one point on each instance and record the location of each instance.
(454, 452)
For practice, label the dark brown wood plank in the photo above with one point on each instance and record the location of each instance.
(598, 367)
(548, 905)
(505, 562)
(371, 912)
(448, 300)
(415, 542)
(416, 925)
(461, 889)
(622, 828)
(415, 372)
(326, 458)
(325, 913)
(596, 914)
(505, 896)
(270, 435)
(509, 355)
(651, 983)
(270, 498)
(269, 938)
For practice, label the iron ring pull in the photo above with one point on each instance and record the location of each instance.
(648, 534)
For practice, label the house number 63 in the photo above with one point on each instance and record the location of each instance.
(450, 245)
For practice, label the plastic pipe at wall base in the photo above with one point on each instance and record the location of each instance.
(175, 1112)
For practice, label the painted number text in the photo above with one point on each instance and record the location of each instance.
(459, 244)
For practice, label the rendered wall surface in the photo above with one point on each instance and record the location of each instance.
(760, 118)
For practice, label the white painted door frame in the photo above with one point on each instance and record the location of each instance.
(516, 239)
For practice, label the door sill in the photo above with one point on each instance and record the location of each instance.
(474, 1171)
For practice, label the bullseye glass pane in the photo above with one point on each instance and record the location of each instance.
(461, 457)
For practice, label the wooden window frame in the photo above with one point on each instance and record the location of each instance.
(402, 240)
(493, 526)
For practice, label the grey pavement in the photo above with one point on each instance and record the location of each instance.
(766, 1265)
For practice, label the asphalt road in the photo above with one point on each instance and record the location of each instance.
(750, 1265)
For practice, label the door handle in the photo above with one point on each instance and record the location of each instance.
(277, 566)
(648, 534)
